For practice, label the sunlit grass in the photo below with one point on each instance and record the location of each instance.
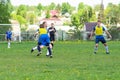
(71, 61)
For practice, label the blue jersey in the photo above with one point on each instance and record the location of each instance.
(8, 34)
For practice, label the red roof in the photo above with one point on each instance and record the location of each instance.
(54, 12)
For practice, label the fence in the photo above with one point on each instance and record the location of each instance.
(61, 35)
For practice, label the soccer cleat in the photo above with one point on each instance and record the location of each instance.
(47, 55)
(39, 54)
(107, 53)
(32, 50)
(51, 56)
(94, 52)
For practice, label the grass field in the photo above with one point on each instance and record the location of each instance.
(71, 61)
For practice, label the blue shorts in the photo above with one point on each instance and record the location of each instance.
(100, 39)
(8, 38)
(44, 40)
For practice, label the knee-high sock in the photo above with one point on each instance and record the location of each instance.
(50, 52)
(34, 48)
(106, 47)
(38, 47)
(8, 44)
(47, 52)
(95, 49)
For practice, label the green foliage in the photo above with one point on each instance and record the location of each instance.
(75, 20)
(21, 19)
(112, 14)
(71, 61)
(48, 14)
(115, 32)
(22, 10)
(83, 15)
(52, 6)
(39, 7)
(66, 8)
(97, 8)
(58, 8)
(5, 10)
(31, 17)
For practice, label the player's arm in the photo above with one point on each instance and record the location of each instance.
(92, 32)
(37, 33)
(54, 29)
(108, 34)
(50, 30)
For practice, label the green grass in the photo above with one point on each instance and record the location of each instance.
(71, 61)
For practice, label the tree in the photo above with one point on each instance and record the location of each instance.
(112, 14)
(84, 14)
(66, 7)
(58, 8)
(31, 17)
(52, 6)
(47, 14)
(39, 7)
(75, 20)
(21, 21)
(97, 8)
(22, 10)
(5, 10)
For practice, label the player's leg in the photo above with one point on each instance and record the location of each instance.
(105, 44)
(40, 42)
(96, 45)
(8, 40)
(49, 50)
(52, 40)
(47, 54)
(39, 47)
(34, 48)
(49, 46)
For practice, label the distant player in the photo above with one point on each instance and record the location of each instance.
(8, 37)
(51, 32)
(98, 30)
(44, 39)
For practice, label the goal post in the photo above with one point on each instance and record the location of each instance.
(16, 31)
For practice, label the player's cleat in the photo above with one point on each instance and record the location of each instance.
(32, 50)
(39, 54)
(94, 52)
(47, 55)
(51, 56)
(107, 52)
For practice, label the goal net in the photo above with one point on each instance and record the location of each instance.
(16, 32)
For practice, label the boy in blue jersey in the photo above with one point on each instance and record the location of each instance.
(8, 36)
(98, 30)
